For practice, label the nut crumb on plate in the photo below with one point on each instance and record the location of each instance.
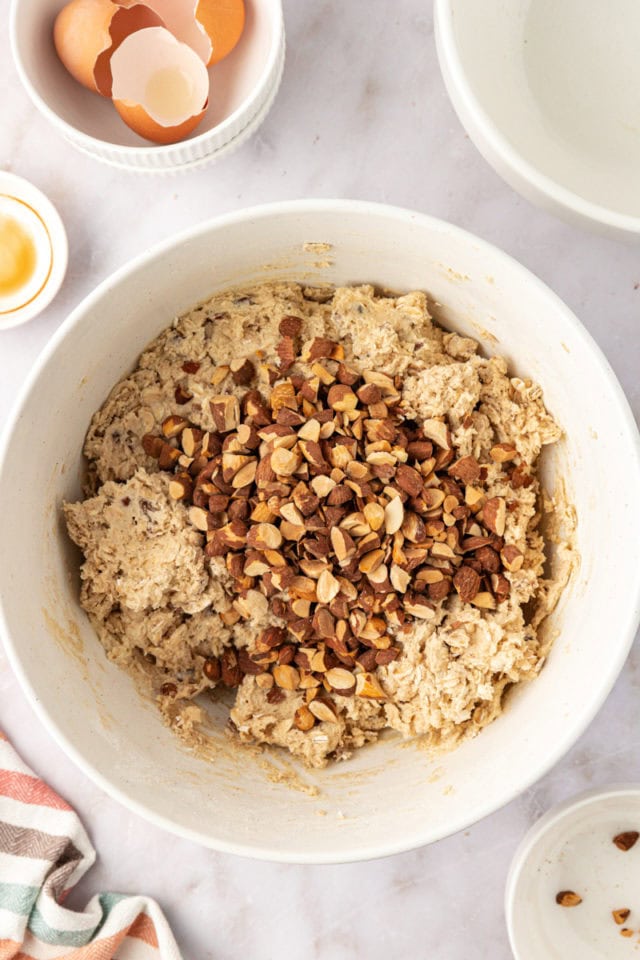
(625, 841)
(328, 504)
(621, 915)
(568, 898)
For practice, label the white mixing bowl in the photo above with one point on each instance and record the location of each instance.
(392, 796)
(548, 92)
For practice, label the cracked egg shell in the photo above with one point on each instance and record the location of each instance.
(223, 21)
(211, 27)
(88, 32)
(160, 85)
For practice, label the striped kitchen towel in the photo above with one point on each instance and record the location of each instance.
(44, 851)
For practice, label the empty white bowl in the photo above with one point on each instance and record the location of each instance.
(391, 796)
(243, 87)
(571, 848)
(548, 92)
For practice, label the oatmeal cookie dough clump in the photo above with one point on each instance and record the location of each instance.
(325, 502)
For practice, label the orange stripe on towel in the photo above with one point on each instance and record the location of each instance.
(8, 948)
(98, 950)
(143, 928)
(28, 789)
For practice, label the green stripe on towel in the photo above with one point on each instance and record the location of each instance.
(18, 897)
(39, 927)
(73, 938)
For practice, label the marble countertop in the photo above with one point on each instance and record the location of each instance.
(362, 113)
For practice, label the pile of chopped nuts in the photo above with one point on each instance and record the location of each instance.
(351, 518)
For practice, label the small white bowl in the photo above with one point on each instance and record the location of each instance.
(36, 215)
(243, 87)
(548, 92)
(571, 848)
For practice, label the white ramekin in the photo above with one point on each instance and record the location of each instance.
(52, 248)
(571, 848)
(392, 796)
(91, 123)
(493, 75)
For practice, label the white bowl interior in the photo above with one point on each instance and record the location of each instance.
(390, 796)
(234, 81)
(561, 82)
(571, 848)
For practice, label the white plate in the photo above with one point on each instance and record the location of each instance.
(571, 848)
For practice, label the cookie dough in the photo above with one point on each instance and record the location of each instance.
(161, 608)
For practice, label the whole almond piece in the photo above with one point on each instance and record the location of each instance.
(621, 915)
(219, 374)
(225, 411)
(264, 535)
(502, 452)
(290, 326)
(494, 515)
(242, 371)
(434, 498)
(285, 462)
(181, 487)
(568, 898)
(290, 512)
(190, 438)
(322, 485)
(327, 587)
(245, 476)
(341, 398)
(466, 469)
(320, 349)
(310, 430)
(409, 480)
(437, 431)
(341, 680)
(322, 711)
(371, 561)
(374, 515)
(173, 426)
(303, 719)
(511, 558)
(255, 565)
(473, 497)
(393, 515)
(286, 676)
(199, 518)
(343, 545)
(467, 583)
(419, 608)
(626, 840)
(400, 579)
(368, 687)
(429, 575)
(484, 601)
